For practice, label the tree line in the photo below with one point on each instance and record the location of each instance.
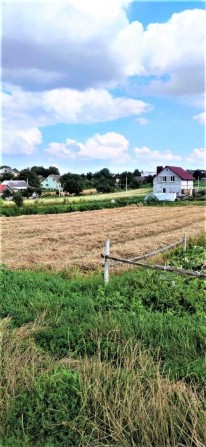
(103, 181)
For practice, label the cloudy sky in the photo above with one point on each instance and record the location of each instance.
(89, 84)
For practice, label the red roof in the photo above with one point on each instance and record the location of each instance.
(184, 175)
(3, 187)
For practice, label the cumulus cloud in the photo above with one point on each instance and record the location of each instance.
(110, 146)
(67, 106)
(200, 118)
(22, 141)
(198, 155)
(155, 156)
(83, 44)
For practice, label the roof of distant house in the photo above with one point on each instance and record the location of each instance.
(19, 184)
(184, 175)
(55, 176)
(4, 187)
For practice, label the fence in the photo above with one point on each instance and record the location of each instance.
(133, 261)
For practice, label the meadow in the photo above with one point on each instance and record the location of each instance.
(56, 200)
(85, 364)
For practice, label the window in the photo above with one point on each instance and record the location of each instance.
(172, 178)
(164, 179)
(164, 190)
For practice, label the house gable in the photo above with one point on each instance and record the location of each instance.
(51, 182)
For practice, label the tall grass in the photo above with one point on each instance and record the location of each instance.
(126, 402)
(102, 401)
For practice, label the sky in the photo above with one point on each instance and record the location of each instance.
(90, 84)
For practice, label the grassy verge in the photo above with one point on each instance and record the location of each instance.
(13, 211)
(87, 365)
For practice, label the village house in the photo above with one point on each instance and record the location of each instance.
(16, 185)
(51, 182)
(173, 179)
(7, 170)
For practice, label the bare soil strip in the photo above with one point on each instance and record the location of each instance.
(60, 241)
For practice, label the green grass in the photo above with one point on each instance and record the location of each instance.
(85, 198)
(118, 365)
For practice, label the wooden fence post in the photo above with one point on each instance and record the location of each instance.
(184, 242)
(106, 261)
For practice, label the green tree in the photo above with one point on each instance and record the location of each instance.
(104, 186)
(72, 183)
(8, 176)
(198, 174)
(18, 199)
(6, 193)
(45, 172)
(32, 178)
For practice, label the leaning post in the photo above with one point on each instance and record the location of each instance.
(184, 243)
(106, 261)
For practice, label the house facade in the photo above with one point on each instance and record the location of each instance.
(173, 179)
(51, 182)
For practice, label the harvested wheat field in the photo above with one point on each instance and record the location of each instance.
(65, 240)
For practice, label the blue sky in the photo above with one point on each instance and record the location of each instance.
(116, 84)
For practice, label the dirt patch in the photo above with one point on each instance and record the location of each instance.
(65, 240)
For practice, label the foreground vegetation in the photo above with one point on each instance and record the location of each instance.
(89, 365)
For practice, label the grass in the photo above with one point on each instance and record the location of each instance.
(84, 198)
(83, 364)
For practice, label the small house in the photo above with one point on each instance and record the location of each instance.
(51, 182)
(173, 179)
(16, 185)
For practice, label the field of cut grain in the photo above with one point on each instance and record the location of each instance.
(61, 241)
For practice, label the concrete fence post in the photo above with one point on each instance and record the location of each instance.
(184, 243)
(106, 261)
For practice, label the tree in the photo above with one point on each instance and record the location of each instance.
(18, 199)
(8, 176)
(6, 193)
(104, 186)
(45, 172)
(53, 170)
(32, 178)
(72, 183)
(198, 174)
(137, 173)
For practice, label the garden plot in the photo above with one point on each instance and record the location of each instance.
(62, 241)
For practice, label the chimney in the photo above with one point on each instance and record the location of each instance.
(159, 169)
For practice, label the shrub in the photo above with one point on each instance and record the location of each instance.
(18, 199)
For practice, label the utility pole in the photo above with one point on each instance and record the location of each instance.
(126, 183)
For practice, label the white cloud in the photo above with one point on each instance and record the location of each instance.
(155, 156)
(110, 146)
(90, 106)
(26, 109)
(198, 155)
(81, 44)
(23, 141)
(200, 118)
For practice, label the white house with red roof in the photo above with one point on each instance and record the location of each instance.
(173, 179)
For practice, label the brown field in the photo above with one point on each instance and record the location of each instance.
(65, 240)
